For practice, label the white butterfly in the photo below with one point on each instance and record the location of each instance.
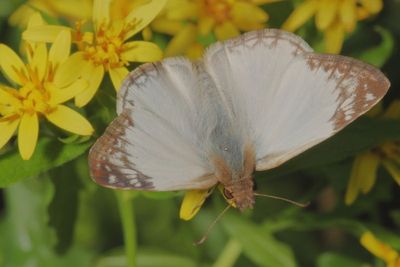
(252, 103)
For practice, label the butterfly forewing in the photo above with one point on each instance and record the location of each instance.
(153, 144)
(110, 162)
(327, 93)
(288, 97)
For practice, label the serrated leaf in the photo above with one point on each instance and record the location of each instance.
(49, 153)
(258, 245)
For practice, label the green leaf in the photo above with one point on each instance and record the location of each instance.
(259, 245)
(26, 240)
(49, 153)
(330, 259)
(159, 195)
(74, 139)
(363, 134)
(63, 207)
(378, 55)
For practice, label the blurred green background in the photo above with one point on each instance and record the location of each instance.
(52, 214)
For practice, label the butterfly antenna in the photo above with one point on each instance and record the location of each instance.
(301, 205)
(210, 227)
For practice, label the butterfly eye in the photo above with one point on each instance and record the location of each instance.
(255, 186)
(227, 194)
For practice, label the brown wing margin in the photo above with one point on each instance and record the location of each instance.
(108, 160)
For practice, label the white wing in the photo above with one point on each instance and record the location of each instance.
(152, 144)
(290, 97)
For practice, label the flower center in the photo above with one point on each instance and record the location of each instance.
(33, 99)
(218, 9)
(105, 46)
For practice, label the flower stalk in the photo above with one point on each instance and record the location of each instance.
(126, 210)
(229, 255)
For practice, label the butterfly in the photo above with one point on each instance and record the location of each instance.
(250, 104)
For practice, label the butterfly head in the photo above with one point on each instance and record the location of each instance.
(240, 194)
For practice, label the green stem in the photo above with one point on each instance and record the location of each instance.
(229, 255)
(125, 205)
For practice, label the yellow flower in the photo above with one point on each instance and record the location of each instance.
(192, 202)
(194, 199)
(333, 17)
(187, 20)
(364, 171)
(380, 250)
(69, 9)
(44, 84)
(106, 49)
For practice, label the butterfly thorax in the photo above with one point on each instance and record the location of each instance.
(237, 182)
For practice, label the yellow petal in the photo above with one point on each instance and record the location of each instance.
(70, 120)
(182, 10)
(43, 33)
(94, 76)
(354, 185)
(378, 248)
(348, 14)
(60, 49)
(7, 129)
(226, 31)
(73, 9)
(147, 34)
(70, 70)
(7, 98)
(101, 12)
(39, 61)
(262, 2)
(326, 14)
(247, 16)
(300, 15)
(117, 76)
(369, 163)
(12, 65)
(35, 20)
(393, 111)
(180, 43)
(58, 96)
(373, 6)
(27, 135)
(393, 169)
(334, 37)
(142, 15)
(205, 25)
(141, 51)
(195, 51)
(166, 26)
(192, 202)
(20, 17)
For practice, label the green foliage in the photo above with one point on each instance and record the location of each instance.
(259, 245)
(52, 214)
(50, 153)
